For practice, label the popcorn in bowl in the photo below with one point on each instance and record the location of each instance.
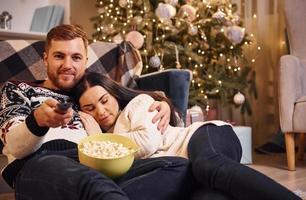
(105, 149)
(111, 154)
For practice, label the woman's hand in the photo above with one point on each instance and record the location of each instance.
(90, 124)
(163, 115)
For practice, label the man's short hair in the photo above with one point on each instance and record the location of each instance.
(66, 32)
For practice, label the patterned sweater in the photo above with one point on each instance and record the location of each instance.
(135, 122)
(20, 134)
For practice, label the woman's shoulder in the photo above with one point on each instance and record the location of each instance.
(141, 100)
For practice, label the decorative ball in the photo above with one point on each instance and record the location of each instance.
(239, 98)
(192, 30)
(123, 3)
(197, 109)
(235, 34)
(236, 19)
(188, 11)
(165, 11)
(155, 61)
(218, 15)
(172, 2)
(137, 20)
(101, 10)
(117, 39)
(218, 2)
(135, 38)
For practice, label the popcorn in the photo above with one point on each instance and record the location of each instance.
(105, 149)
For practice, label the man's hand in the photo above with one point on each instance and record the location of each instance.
(163, 115)
(90, 124)
(46, 114)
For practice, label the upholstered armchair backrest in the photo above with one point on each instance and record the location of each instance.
(295, 17)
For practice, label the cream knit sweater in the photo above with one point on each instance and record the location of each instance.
(135, 122)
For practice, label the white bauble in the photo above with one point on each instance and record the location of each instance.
(196, 109)
(218, 15)
(218, 2)
(239, 98)
(188, 11)
(154, 61)
(165, 11)
(101, 10)
(137, 20)
(172, 2)
(117, 39)
(192, 30)
(135, 38)
(236, 19)
(123, 3)
(235, 34)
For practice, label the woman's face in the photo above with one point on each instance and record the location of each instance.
(97, 102)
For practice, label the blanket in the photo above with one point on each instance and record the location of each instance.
(23, 60)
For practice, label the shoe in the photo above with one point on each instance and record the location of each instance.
(269, 147)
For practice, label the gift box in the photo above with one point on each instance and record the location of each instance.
(244, 133)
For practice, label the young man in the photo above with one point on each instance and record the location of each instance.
(41, 141)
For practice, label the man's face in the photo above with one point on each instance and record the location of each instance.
(66, 63)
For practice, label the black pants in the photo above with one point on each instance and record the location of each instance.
(215, 153)
(59, 176)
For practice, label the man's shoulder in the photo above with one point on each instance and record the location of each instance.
(17, 83)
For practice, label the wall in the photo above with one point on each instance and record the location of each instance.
(82, 16)
(23, 10)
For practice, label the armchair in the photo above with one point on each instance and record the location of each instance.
(292, 81)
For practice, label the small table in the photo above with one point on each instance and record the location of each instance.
(244, 134)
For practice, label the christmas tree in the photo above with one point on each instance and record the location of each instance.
(205, 36)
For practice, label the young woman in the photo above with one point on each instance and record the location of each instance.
(212, 147)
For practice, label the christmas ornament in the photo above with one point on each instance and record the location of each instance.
(177, 62)
(218, 2)
(196, 109)
(171, 2)
(236, 19)
(239, 98)
(188, 11)
(155, 61)
(165, 11)
(117, 38)
(235, 34)
(218, 15)
(192, 30)
(101, 10)
(135, 38)
(137, 20)
(123, 3)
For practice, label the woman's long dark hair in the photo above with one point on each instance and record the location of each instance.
(122, 94)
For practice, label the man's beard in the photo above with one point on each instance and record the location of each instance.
(64, 85)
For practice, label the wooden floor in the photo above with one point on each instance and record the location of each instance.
(273, 166)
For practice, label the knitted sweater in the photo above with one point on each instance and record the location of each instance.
(135, 122)
(21, 135)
